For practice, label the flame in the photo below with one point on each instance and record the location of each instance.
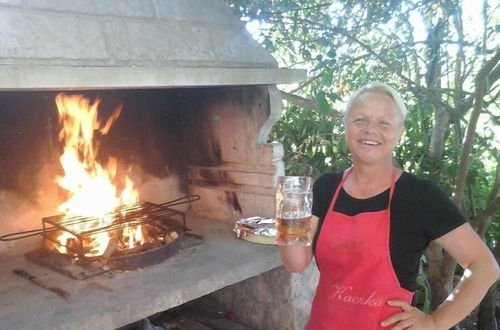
(91, 186)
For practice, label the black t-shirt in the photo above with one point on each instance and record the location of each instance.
(420, 213)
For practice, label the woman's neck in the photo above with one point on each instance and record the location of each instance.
(368, 181)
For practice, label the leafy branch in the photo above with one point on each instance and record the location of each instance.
(309, 104)
(480, 91)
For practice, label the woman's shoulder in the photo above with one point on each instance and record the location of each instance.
(329, 178)
(327, 182)
(433, 204)
(409, 179)
(423, 188)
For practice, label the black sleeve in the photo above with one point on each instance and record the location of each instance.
(440, 214)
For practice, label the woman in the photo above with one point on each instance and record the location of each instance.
(372, 223)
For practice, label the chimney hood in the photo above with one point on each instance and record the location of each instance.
(96, 44)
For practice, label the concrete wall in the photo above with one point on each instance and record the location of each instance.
(101, 44)
(273, 300)
(172, 33)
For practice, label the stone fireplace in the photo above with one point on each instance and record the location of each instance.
(199, 99)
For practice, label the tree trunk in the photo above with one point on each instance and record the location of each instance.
(440, 277)
(440, 273)
(441, 120)
(486, 318)
(486, 315)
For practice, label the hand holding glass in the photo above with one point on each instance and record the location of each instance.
(293, 210)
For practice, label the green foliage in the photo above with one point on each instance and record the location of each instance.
(346, 44)
(423, 294)
(310, 141)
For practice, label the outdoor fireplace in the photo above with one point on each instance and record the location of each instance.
(168, 142)
(198, 98)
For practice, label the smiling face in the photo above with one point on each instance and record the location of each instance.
(373, 127)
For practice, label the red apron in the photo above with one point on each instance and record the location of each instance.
(357, 277)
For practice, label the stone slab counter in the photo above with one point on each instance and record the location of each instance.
(108, 302)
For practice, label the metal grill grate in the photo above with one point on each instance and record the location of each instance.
(143, 213)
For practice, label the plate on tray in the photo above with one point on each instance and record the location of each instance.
(260, 230)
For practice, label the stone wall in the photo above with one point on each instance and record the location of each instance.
(171, 33)
(273, 300)
(95, 44)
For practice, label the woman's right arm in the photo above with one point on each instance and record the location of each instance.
(297, 258)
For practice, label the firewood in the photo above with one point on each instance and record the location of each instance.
(112, 246)
(171, 236)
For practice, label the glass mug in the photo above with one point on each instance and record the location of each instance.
(293, 210)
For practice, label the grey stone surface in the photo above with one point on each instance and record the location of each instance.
(261, 302)
(276, 108)
(132, 8)
(303, 289)
(37, 36)
(238, 45)
(211, 11)
(273, 300)
(43, 77)
(159, 42)
(11, 2)
(109, 302)
(58, 37)
(60, 33)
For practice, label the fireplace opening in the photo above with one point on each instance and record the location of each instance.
(169, 142)
(98, 166)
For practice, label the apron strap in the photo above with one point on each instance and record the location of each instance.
(393, 183)
(344, 178)
(339, 187)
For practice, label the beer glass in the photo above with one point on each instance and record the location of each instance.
(293, 210)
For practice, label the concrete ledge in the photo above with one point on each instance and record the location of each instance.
(13, 77)
(107, 303)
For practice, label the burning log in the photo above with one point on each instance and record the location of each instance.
(116, 242)
(112, 245)
(170, 237)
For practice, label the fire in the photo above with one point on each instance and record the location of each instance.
(91, 186)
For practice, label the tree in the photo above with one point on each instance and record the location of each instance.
(447, 74)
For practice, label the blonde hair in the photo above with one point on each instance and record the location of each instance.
(382, 89)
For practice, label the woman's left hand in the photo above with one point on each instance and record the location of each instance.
(410, 318)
